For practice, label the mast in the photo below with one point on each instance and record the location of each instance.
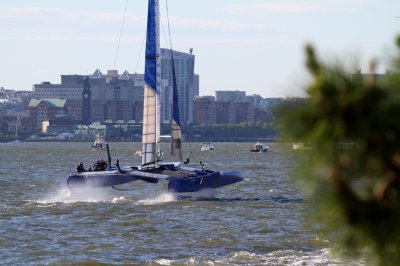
(151, 104)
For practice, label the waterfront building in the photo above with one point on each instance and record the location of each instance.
(70, 89)
(223, 113)
(45, 110)
(204, 110)
(242, 112)
(109, 96)
(234, 112)
(208, 111)
(116, 97)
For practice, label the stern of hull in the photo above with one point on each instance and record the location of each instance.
(212, 180)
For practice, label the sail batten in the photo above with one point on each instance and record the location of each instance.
(151, 104)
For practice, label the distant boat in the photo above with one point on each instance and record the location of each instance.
(301, 146)
(207, 147)
(259, 147)
(180, 177)
(99, 143)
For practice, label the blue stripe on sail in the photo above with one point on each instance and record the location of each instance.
(150, 73)
(175, 100)
(176, 143)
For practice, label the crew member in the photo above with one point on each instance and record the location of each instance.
(80, 168)
(100, 165)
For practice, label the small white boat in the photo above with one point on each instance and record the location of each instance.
(301, 146)
(99, 143)
(259, 147)
(207, 147)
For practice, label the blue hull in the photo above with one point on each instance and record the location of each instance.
(179, 181)
(99, 179)
(196, 183)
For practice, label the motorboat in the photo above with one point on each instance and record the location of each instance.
(207, 147)
(99, 143)
(259, 147)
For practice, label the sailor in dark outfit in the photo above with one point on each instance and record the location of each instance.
(80, 168)
(100, 165)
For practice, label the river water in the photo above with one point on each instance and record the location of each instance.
(259, 221)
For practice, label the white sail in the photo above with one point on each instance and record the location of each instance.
(176, 140)
(151, 104)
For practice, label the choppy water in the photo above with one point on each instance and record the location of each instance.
(255, 222)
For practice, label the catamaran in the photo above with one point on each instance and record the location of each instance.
(180, 177)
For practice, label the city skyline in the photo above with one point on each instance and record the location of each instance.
(254, 46)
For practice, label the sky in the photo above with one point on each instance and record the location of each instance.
(255, 46)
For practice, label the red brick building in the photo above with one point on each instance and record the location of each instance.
(204, 111)
(45, 110)
(207, 111)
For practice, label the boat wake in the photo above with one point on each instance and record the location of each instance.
(120, 200)
(64, 195)
(163, 198)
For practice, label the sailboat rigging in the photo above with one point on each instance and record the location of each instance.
(180, 177)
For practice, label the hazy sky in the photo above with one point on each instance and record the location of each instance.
(251, 45)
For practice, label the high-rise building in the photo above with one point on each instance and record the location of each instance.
(196, 85)
(184, 72)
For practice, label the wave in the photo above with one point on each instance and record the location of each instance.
(278, 199)
(64, 195)
(322, 257)
(280, 257)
